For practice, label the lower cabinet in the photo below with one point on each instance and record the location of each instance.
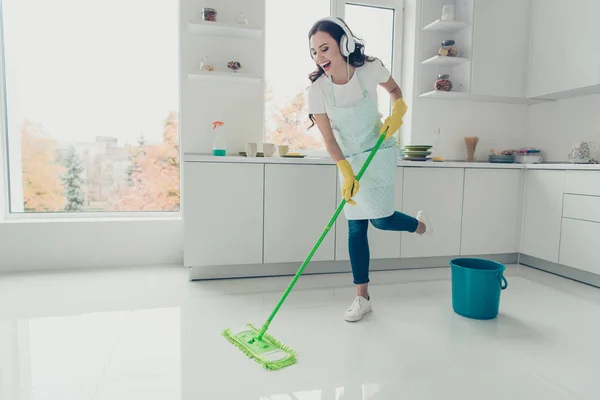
(579, 245)
(223, 214)
(248, 214)
(543, 210)
(580, 233)
(299, 202)
(491, 211)
(439, 192)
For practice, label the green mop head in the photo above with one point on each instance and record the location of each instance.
(267, 351)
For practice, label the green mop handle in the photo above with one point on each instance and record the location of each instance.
(314, 249)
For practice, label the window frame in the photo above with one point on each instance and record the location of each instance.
(101, 216)
(4, 181)
(338, 9)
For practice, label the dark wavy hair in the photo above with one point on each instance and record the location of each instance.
(356, 59)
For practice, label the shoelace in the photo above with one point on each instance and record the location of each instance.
(357, 304)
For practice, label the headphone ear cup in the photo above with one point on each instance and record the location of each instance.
(344, 46)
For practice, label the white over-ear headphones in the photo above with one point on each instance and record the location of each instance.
(347, 43)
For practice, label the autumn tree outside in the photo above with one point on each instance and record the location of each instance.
(56, 180)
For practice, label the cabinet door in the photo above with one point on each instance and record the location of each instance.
(500, 48)
(439, 192)
(382, 244)
(491, 211)
(564, 37)
(543, 213)
(299, 202)
(223, 211)
(579, 245)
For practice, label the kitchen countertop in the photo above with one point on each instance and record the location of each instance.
(193, 157)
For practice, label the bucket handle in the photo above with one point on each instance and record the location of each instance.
(502, 281)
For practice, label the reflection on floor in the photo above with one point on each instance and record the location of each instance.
(148, 334)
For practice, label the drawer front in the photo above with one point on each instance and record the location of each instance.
(583, 182)
(582, 207)
(579, 245)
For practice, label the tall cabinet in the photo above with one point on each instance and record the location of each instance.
(500, 48)
(564, 60)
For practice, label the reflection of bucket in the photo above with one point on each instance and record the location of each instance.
(476, 287)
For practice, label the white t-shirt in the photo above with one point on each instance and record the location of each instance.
(371, 73)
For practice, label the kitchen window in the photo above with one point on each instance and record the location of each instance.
(288, 61)
(91, 106)
(287, 66)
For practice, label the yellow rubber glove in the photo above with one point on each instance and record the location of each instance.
(394, 121)
(350, 185)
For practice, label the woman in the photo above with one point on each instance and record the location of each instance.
(342, 102)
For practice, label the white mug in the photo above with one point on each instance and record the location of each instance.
(268, 149)
(251, 149)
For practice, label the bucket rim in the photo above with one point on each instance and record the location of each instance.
(501, 267)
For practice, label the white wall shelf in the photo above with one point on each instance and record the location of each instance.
(225, 76)
(446, 26)
(445, 95)
(444, 61)
(225, 30)
(441, 95)
(480, 36)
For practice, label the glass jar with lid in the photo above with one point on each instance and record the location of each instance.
(443, 83)
(206, 65)
(209, 14)
(448, 49)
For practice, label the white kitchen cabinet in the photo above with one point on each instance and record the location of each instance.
(585, 183)
(439, 192)
(500, 48)
(563, 40)
(586, 208)
(491, 211)
(223, 215)
(579, 245)
(543, 214)
(299, 202)
(382, 244)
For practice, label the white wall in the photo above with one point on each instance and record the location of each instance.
(52, 245)
(408, 65)
(556, 126)
(498, 126)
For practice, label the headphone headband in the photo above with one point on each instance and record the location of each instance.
(347, 43)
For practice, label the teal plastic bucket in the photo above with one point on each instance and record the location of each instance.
(476, 287)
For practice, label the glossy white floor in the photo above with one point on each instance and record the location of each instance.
(150, 334)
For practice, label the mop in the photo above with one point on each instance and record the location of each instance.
(259, 345)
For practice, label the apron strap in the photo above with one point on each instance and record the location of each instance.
(331, 94)
(360, 83)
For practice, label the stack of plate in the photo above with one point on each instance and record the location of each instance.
(416, 152)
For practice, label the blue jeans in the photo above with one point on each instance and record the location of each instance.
(358, 243)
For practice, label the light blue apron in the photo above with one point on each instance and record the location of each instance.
(357, 131)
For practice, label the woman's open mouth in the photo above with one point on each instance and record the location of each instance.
(326, 66)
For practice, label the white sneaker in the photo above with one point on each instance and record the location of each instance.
(424, 218)
(360, 306)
